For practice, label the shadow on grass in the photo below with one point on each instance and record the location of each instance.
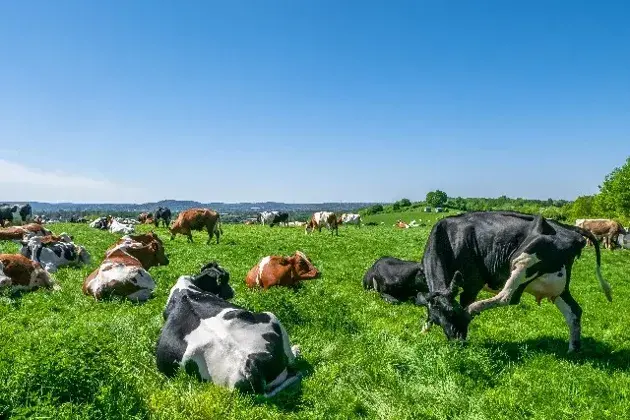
(290, 399)
(596, 353)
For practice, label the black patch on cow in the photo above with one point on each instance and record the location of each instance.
(249, 317)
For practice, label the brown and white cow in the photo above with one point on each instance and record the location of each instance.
(20, 273)
(144, 217)
(275, 270)
(608, 230)
(322, 219)
(17, 233)
(124, 270)
(197, 219)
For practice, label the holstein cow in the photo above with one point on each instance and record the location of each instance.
(277, 270)
(17, 233)
(272, 218)
(124, 270)
(164, 214)
(52, 252)
(101, 223)
(509, 253)
(396, 280)
(20, 273)
(14, 213)
(350, 219)
(223, 343)
(197, 219)
(6, 213)
(322, 219)
(607, 229)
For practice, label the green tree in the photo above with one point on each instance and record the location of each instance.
(614, 195)
(404, 202)
(436, 198)
(583, 206)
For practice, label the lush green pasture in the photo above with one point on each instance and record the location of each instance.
(418, 215)
(63, 355)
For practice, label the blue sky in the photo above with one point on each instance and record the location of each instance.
(310, 101)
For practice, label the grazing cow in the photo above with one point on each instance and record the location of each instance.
(509, 253)
(322, 219)
(272, 218)
(117, 227)
(124, 271)
(350, 219)
(52, 252)
(164, 214)
(197, 219)
(20, 273)
(396, 280)
(221, 342)
(277, 270)
(17, 233)
(607, 229)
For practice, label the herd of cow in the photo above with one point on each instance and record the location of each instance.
(506, 253)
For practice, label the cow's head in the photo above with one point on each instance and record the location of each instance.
(214, 279)
(444, 309)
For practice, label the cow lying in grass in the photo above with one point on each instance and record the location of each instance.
(21, 273)
(396, 280)
(275, 270)
(52, 252)
(17, 233)
(221, 342)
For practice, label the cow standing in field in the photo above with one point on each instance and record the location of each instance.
(221, 342)
(350, 219)
(20, 273)
(508, 253)
(607, 229)
(272, 218)
(164, 214)
(396, 280)
(197, 219)
(276, 270)
(322, 219)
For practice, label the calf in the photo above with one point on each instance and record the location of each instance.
(277, 270)
(164, 214)
(506, 252)
(221, 342)
(197, 219)
(607, 229)
(396, 280)
(20, 273)
(124, 271)
(52, 252)
(322, 219)
(143, 217)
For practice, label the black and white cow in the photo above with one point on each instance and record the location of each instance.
(396, 280)
(6, 213)
(54, 252)
(508, 253)
(272, 218)
(221, 342)
(164, 214)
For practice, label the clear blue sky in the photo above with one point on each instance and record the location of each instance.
(310, 101)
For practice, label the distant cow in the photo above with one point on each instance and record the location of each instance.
(349, 219)
(52, 252)
(143, 217)
(277, 270)
(197, 219)
(396, 280)
(101, 223)
(322, 219)
(124, 270)
(222, 342)
(272, 218)
(20, 273)
(6, 213)
(508, 253)
(15, 213)
(116, 226)
(164, 214)
(607, 229)
(17, 233)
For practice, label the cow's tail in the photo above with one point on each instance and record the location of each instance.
(602, 282)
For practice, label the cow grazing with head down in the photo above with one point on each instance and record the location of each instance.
(52, 252)
(124, 270)
(221, 342)
(396, 280)
(197, 219)
(20, 273)
(272, 218)
(607, 229)
(509, 253)
(164, 214)
(275, 270)
(322, 219)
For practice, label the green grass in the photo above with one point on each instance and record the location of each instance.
(63, 355)
(407, 216)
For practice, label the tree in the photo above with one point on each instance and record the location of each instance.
(404, 202)
(614, 195)
(583, 206)
(436, 198)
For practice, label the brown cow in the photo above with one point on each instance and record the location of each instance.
(608, 230)
(16, 233)
(197, 219)
(277, 270)
(19, 272)
(144, 217)
(322, 219)
(146, 248)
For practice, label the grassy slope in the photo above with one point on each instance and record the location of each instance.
(63, 355)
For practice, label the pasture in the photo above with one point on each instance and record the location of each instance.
(64, 355)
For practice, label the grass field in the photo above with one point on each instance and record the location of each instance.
(63, 355)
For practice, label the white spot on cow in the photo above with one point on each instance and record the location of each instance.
(261, 267)
(548, 285)
(110, 273)
(571, 320)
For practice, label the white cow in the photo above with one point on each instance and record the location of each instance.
(117, 227)
(351, 219)
(267, 217)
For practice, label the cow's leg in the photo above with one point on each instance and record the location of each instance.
(190, 238)
(572, 315)
(520, 265)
